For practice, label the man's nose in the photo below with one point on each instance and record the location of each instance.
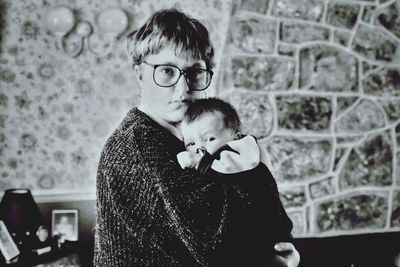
(182, 88)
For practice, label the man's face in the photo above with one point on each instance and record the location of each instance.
(207, 132)
(166, 103)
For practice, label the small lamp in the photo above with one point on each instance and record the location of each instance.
(111, 22)
(60, 20)
(22, 217)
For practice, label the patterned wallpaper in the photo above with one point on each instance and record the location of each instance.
(56, 111)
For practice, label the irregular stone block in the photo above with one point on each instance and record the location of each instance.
(398, 134)
(295, 197)
(251, 73)
(286, 50)
(322, 188)
(299, 9)
(375, 45)
(297, 159)
(255, 112)
(304, 113)
(389, 18)
(259, 6)
(368, 13)
(251, 34)
(299, 225)
(342, 38)
(392, 109)
(343, 103)
(296, 32)
(366, 115)
(369, 164)
(383, 82)
(352, 212)
(342, 15)
(326, 68)
(395, 217)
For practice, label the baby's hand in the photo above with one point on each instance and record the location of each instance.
(188, 159)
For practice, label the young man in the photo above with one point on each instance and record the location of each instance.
(150, 212)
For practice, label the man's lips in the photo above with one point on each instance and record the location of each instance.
(179, 103)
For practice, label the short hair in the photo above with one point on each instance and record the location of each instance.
(171, 27)
(201, 106)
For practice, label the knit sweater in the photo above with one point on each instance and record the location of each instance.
(257, 219)
(150, 212)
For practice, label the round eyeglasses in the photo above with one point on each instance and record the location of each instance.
(166, 75)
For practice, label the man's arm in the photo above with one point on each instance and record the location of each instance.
(131, 192)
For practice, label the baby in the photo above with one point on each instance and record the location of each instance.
(208, 126)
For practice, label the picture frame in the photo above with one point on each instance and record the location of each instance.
(64, 223)
(7, 245)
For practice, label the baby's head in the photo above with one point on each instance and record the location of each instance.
(209, 124)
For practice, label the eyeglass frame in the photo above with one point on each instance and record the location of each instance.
(182, 72)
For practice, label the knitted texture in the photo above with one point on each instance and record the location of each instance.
(150, 212)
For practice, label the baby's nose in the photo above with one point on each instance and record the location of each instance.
(201, 150)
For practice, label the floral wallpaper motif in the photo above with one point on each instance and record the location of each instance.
(57, 111)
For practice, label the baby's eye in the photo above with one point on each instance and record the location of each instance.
(211, 138)
(190, 144)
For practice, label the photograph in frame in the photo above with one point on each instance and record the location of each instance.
(7, 245)
(64, 223)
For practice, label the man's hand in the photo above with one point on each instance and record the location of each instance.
(231, 162)
(286, 256)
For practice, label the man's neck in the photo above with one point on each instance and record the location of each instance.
(173, 128)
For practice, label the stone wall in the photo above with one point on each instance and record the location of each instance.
(318, 82)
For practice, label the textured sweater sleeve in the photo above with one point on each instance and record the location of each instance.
(132, 193)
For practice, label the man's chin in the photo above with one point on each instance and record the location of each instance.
(176, 116)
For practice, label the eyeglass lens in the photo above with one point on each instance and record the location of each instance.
(167, 75)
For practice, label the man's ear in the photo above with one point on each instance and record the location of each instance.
(138, 72)
(237, 135)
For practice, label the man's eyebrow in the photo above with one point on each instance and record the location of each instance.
(197, 65)
(167, 63)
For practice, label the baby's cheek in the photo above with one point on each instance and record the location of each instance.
(191, 149)
(212, 147)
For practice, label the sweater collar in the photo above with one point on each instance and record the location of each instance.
(142, 117)
(169, 127)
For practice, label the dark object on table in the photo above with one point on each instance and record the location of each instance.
(22, 217)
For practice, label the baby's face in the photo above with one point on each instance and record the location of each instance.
(208, 132)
